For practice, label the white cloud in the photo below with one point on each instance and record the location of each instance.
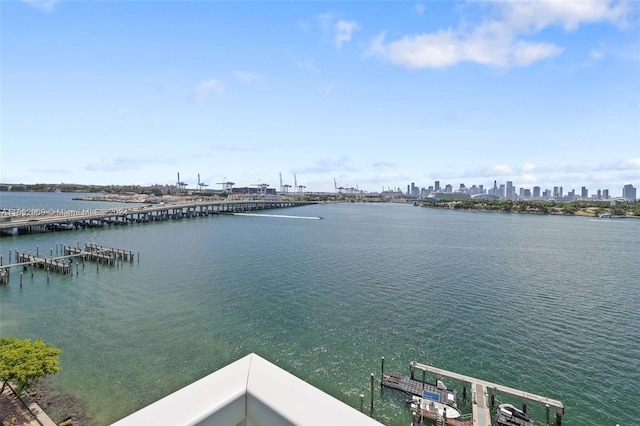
(595, 55)
(531, 16)
(343, 31)
(500, 170)
(525, 53)
(498, 41)
(246, 77)
(203, 89)
(44, 5)
(527, 167)
(419, 9)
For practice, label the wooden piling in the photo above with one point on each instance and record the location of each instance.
(372, 377)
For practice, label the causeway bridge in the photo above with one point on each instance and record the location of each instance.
(32, 221)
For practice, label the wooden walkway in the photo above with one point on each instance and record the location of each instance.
(64, 264)
(417, 387)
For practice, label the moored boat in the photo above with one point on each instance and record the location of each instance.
(434, 409)
(508, 415)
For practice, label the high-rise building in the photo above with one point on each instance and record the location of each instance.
(629, 192)
(536, 192)
(437, 186)
(511, 191)
(584, 194)
(605, 194)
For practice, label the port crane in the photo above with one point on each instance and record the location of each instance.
(181, 185)
(284, 189)
(298, 187)
(201, 185)
(227, 187)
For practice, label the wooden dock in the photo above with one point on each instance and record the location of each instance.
(64, 264)
(483, 392)
(32, 221)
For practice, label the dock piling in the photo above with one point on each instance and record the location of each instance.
(372, 376)
(362, 403)
(20, 279)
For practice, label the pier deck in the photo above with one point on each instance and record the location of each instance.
(30, 221)
(483, 392)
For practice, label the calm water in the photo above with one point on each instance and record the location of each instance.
(549, 305)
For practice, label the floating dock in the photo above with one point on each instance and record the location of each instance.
(483, 393)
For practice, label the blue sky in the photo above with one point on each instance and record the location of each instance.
(374, 94)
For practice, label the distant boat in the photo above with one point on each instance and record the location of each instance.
(431, 408)
(508, 415)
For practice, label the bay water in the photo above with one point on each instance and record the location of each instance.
(546, 304)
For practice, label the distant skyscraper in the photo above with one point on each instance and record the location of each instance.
(510, 193)
(584, 194)
(536, 192)
(605, 194)
(629, 192)
(437, 185)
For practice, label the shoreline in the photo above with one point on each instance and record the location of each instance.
(43, 405)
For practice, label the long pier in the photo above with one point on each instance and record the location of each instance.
(483, 392)
(32, 221)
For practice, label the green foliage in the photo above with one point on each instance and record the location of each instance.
(23, 362)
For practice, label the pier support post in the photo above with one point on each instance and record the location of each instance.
(493, 397)
(0, 260)
(10, 255)
(547, 406)
(47, 274)
(20, 279)
(524, 406)
(381, 368)
(362, 403)
(372, 376)
(424, 380)
(412, 368)
(464, 391)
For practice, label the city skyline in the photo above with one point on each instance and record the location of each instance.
(374, 95)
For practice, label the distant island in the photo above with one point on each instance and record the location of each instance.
(609, 208)
(604, 209)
